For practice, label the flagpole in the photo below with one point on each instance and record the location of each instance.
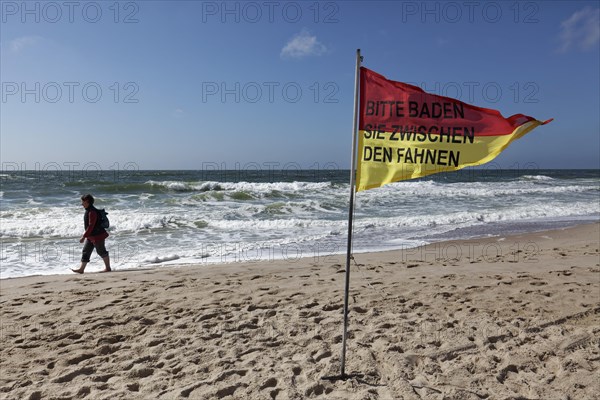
(350, 212)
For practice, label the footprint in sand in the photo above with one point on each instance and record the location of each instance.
(322, 355)
(332, 307)
(133, 387)
(79, 358)
(317, 390)
(270, 383)
(536, 283)
(68, 377)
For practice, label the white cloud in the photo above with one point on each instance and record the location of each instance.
(581, 30)
(18, 44)
(178, 113)
(302, 45)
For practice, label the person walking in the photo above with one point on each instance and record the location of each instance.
(94, 235)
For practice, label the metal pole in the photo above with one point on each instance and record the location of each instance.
(350, 211)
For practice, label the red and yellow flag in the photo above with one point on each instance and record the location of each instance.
(406, 133)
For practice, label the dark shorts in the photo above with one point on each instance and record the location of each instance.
(88, 247)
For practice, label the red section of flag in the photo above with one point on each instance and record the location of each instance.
(387, 105)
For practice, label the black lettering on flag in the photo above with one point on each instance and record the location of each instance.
(394, 136)
(370, 107)
(445, 110)
(454, 157)
(367, 153)
(442, 134)
(378, 154)
(442, 154)
(427, 156)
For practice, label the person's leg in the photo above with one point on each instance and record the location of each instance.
(101, 250)
(81, 268)
(88, 247)
(106, 264)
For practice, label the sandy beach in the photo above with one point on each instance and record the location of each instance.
(497, 318)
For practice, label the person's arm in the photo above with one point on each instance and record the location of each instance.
(92, 217)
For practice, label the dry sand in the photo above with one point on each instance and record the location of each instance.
(496, 318)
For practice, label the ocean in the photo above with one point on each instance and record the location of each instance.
(205, 217)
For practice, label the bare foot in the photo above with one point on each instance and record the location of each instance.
(79, 271)
(106, 270)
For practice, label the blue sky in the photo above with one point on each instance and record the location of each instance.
(191, 84)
